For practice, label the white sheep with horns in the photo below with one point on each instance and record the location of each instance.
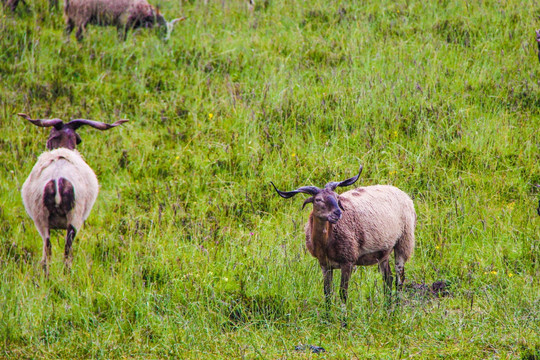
(61, 189)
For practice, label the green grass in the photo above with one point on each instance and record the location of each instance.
(188, 252)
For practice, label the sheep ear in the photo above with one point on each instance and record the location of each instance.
(307, 201)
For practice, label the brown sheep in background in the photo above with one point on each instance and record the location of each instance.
(124, 14)
(359, 227)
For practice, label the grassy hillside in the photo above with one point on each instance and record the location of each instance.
(188, 252)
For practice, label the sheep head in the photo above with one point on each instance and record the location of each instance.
(167, 25)
(65, 135)
(326, 203)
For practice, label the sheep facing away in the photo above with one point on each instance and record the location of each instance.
(61, 188)
(359, 227)
(124, 14)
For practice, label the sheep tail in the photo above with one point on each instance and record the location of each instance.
(59, 196)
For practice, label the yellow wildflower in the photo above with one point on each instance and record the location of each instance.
(493, 272)
(210, 116)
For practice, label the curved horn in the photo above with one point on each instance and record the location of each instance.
(174, 21)
(77, 123)
(333, 185)
(169, 25)
(311, 190)
(57, 123)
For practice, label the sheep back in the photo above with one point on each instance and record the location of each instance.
(53, 165)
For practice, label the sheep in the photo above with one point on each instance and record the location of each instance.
(359, 227)
(124, 14)
(61, 188)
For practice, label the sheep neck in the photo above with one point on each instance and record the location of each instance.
(321, 231)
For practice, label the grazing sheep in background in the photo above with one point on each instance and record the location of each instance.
(124, 14)
(61, 189)
(359, 227)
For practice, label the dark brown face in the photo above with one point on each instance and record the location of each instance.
(64, 138)
(326, 206)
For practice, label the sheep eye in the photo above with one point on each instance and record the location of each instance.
(319, 200)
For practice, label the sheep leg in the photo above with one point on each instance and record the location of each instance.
(122, 31)
(79, 33)
(70, 25)
(43, 229)
(47, 251)
(328, 275)
(400, 272)
(346, 271)
(384, 267)
(68, 252)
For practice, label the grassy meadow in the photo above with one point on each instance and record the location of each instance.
(189, 253)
